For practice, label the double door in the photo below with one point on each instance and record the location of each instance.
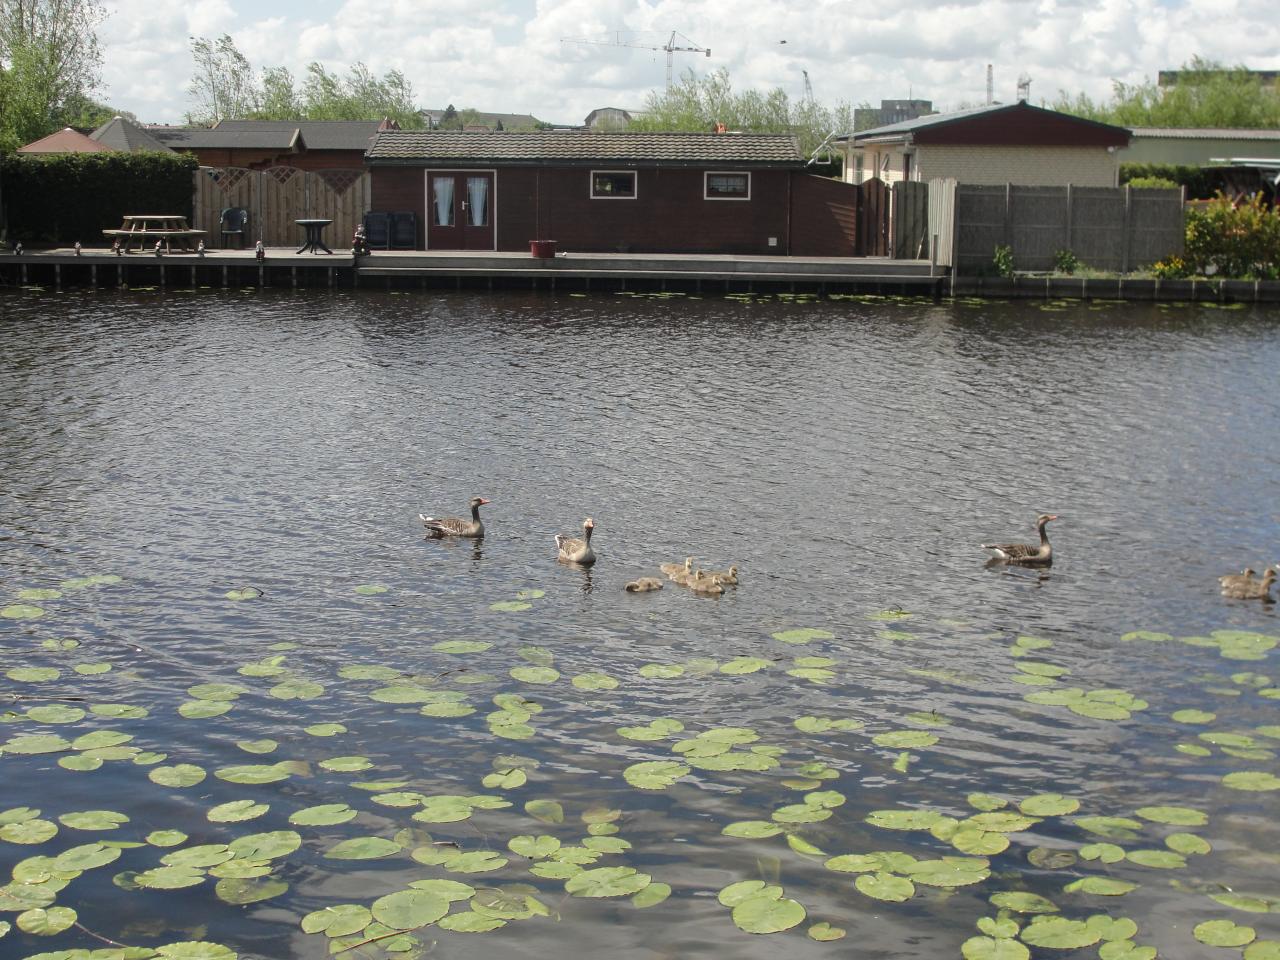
(460, 210)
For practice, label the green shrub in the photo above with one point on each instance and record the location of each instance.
(1064, 261)
(1152, 183)
(1238, 239)
(1172, 267)
(1003, 260)
(62, 198)
(1199, 184)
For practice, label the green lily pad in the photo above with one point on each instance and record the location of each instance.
(93, 820)
(371, 589)
(38, 743)
(803, 635)
(765, 915)
(28, 831)
(242, 890)
(607, 882)
(243, 593)
(535, 674)
(1223, 933)
(885, 886)
(409, 909)
(1263, 950)
(510, 606)
(1022, 902)
(55, 713)
(254, 773)
(1251, 780)
(1049, 805)
(654, 774)
(993, 948)
(45, 923)
(1159, 859)
(1181, 816)
(363, 848)
(651, 896)
(595, 681)
(461, 646)
(1059, 933)
(341, 920)
(1187, 843)
(235, 811)
(21, 611)
(548, 811)
(752, 829)
(824, 932)
(1101, 886)
(166, 838)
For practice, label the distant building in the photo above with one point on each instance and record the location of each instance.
(65, 141)
(479, 121)
(891, 111)
(607, 118)
(1199, 146)
(1001, 143)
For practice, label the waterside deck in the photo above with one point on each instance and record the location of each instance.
(283, 267)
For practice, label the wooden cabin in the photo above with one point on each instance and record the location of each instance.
(724, 193)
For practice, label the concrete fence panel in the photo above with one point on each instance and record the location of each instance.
(1106, 228)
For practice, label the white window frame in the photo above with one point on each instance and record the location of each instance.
(635, 182)
(724, 173)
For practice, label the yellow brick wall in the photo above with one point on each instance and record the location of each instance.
(1024, 166)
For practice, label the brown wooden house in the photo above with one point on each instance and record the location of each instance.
(610, 192)
(260, 144)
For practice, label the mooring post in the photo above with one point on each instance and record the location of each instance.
(57, 276)
(93, 275)
(224, 275)
(162, 274)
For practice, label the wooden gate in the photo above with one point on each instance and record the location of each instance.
(278, 196)
(873, 219)
(910, 220)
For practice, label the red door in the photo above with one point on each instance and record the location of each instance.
(459, 210)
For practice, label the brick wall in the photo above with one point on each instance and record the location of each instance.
(1023, 166)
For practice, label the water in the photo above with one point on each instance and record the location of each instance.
(848, 455)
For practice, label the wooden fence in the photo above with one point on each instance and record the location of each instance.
(910, 220)
(278, 196)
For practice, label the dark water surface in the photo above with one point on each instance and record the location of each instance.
(849, 456)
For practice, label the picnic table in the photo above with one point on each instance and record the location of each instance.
(148, 227)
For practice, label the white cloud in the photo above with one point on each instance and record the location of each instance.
(508, 55)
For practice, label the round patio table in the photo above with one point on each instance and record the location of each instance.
(315, 230)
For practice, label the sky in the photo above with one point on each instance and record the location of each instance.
(510, 56)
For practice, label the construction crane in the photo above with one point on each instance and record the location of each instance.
(808, 87)
(671, 46)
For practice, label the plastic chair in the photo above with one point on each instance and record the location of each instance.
(377, 227)
(234, 222)
(404, 230)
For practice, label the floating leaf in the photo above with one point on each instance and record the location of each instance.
(535, 674)
(1251, 780)
(1193, 716)
(651, 896)
(1187, 843)
(166, 838)
(764, 915)
(993, 948)
(1181, 816)
(824, 932)
(607, 882)
(461, 646)
(45, 923)
(93, 820)
(257, 746)
(803, 635)
(548, 811)
(595, 681)
(752, 829)
(903, 819)
(1223, 933)
(903, 739)
(1263, 950)
(254, 773)
(240, 890)
(243, 593)
(1101, 886)
(654, 774)
(1022, 902)
(885, 886)
(1059, 933)
(33, 744)
(1049, 805)
(21, 611)
(371, 589)
(409, 909)
(363, 848)
(1161, 859)
(337, 921)
(181, 775)
(510, 606)
(469, 921)
(235, 811)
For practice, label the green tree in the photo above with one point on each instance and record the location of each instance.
(1206, 94)
(223, 85)
(278, 99)
(701, 103)
(49, 64)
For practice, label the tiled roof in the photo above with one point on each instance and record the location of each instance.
(571, 147)
(126, 136)
(316, 134)
(1203, 133)
(65, 141)
(897, 131)
(186, 138)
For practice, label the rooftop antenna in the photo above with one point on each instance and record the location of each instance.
(1024, 88)
(990, 85)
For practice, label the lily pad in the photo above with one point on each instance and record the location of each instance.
(409, 909)
(765, 915)
(363, 848)
(803, 635)
(885, 886)
(1223, 933)
(607, 882)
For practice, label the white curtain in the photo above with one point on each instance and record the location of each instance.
(442, 187)
(478, 195)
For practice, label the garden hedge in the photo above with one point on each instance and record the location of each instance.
(62, 198)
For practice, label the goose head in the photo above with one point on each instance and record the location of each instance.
(1045, 518)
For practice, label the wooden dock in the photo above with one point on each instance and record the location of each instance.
(282, 267)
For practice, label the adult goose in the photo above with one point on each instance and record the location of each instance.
(1252, 589)
(437, 527)
(1026, 554)
(577, 549)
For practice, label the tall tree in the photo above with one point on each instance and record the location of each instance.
(223, 85)
(701, 103)
(49, 61)
(1206, 94)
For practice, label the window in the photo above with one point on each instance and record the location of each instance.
(727, 186)
(613, 184)
(858, 172)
